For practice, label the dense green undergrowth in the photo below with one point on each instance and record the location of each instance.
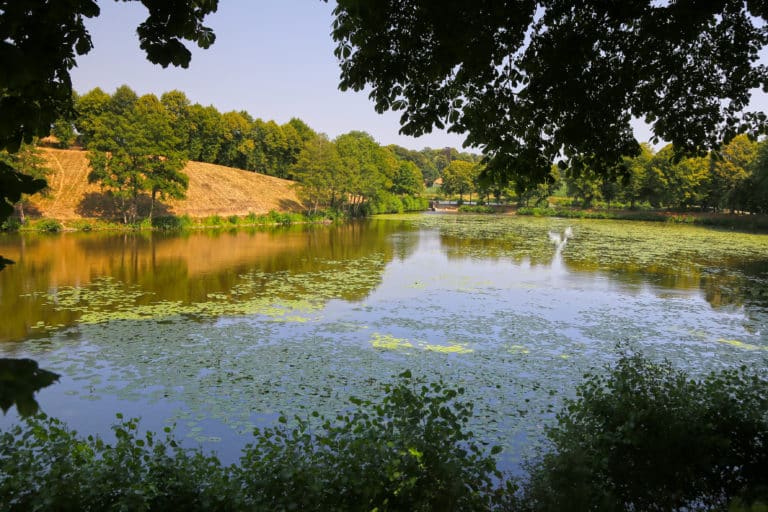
(740, 222)
(638, 436)
(386, 203)
(170, 222)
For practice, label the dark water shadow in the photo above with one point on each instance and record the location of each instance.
(20, 379)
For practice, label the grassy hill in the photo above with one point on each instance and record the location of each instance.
(213, 190)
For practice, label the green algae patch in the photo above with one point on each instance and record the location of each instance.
(388, 342)
(518, 349)
(451, 348)
(282, 296)
(742, 345)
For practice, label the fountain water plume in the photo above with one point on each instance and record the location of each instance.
(560, 240)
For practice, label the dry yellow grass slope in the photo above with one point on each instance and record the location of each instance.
(213, 190)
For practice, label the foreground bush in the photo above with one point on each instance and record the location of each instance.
(408, 452)
(640, 437)
(645, 437)
(46, 225)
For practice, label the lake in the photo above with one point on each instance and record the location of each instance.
(219, 331)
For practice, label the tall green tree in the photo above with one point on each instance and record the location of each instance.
(90, 106)
(302, 129)
(408, 179)
(369, 168)
(294, 142)
(177, 106)
(459, 178)
(730, 171)
(420, 158)
(584, 184)
(206, 133)
(237, 146)
(759, 179)
(320, 173)
(635, 171)
(165, 154)
(135, 153)
(274, 149)
(122, 100)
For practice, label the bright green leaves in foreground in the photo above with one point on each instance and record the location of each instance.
(408, 451)
(646, 436)
(643, 436)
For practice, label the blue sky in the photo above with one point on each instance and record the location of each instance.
(272, 58)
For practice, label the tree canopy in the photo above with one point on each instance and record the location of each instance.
(39, 43)
(134, 149)
(529, 82)
(533, 82)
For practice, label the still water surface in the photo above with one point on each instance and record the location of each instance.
(216, 332)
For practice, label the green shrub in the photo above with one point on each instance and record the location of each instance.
(47, 225)
(233, 219)
(11, 224)
(409, 451)
(476, 209)
(415, 204)
(81, 225)
(646, 436)
(251, 218)
(171, 222)
(45, 466)
(538, 212)
(213, 220)
(274, 217)
(186, 221)
(386, 202)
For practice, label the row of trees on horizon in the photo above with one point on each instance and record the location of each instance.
(733, 179)
(138, 146)
(151, 138)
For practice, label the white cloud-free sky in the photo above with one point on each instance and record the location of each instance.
(272, 58)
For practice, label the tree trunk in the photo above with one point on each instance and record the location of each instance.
(152, 205)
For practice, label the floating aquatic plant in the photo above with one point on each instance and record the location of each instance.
(474, 300)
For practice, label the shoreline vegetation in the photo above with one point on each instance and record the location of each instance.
(688, 444)
(734, 221)
(749, 222)
(187, 222)
(746, 222)
(170, 222)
